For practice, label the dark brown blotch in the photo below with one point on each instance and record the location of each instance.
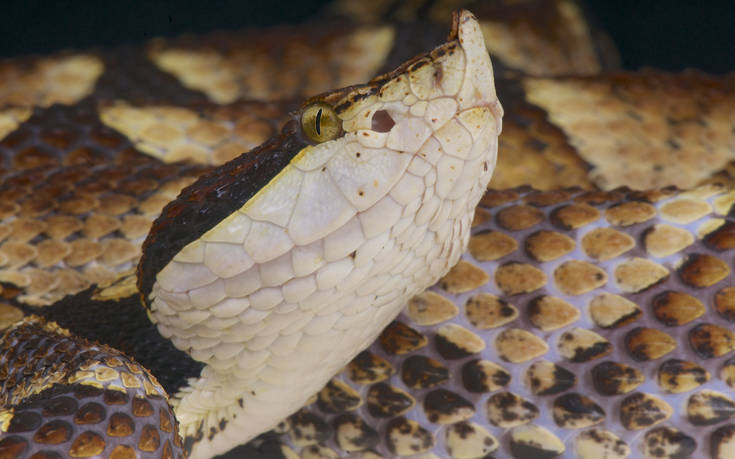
(547, 198)
(166, 452)
(546, 378)
(709, 340)
(338, 397)
(120, 425)
(150, 439)
(142, 407)
(701, 270)
(580, 345)
(454, 342)
(115, 397)
(575, 411)
(485, 311)
(90, 413)
(24, 421)
(308, 428)
(673, 441)
(384, 401)
(467, 439)
(709, 407)
(519, 217)
(53, 433)
(550, 313)
(404, 437)
(613, 378)
(368, 368)
(599, 197)
(494, 198)
(573, 216)
(675, 376)
(723, 238)
(725, 303)
(506, 409)
(398, 338)
(534, 442)
(86, 391)
(87, 444)
(484, 376)
(609, 311)
(676, 308)
(601, 443)
(59, 406)
(722, 442)
(446, 407)
(644, 343)
(352, 433)
(420, 372)
(165, 424)
(13, 447)
(639, 411)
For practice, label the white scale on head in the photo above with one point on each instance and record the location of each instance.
(281, 294)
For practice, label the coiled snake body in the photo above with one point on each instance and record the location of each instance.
(580, 323)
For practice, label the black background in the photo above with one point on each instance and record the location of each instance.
(670, 35)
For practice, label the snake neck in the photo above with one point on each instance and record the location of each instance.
(228, 404)
(123, 325)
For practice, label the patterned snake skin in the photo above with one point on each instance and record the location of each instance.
(585, 320)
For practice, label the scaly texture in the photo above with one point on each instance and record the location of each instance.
(80, 195)
(63, 396)
(649, 131)
(274, 297)
(583, 323)
(78, 201)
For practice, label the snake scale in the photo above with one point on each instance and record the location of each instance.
(352, 286)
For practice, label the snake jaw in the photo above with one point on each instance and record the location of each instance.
(304, 272)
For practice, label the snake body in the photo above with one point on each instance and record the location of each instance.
(573, 327)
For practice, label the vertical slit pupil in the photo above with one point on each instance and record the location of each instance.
(319, 122)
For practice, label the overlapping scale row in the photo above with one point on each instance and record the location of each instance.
(66, 397)
(42, 82)
(579, 324)
(205, 135)
(275, 63)
(77, 201)
(629, 126)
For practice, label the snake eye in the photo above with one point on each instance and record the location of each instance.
(320, 122)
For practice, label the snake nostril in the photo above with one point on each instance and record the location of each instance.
(382, 122)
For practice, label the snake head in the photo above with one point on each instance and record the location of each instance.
(276, 268)
(415, 107)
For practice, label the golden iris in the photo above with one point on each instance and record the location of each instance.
(320, 122)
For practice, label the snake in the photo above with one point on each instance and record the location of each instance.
(370, 279)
